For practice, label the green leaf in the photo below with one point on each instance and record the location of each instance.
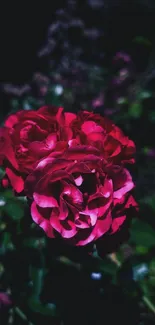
(37, 275)
(144, 94)
(30, 242)
(2, 173)
(150, 200)
(142, 234)
(14, 209)
(142, 40)
(15, 103)
(38, 307)
(34, 242)
(8, 194)
(152, 116)
(135, 110)
(141, 250)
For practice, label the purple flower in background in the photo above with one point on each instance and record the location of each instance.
(96, 4)
(150, 152)
(122, 56)
(97, 102)
(5, 300)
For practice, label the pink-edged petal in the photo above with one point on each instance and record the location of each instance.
(126, 188)
(45, 201)
(107, 188)
(122, 183)
(90, 126)
(63, 209)
(86, 241)
(45, 225)
(11, 121)
(40, 148)
(73, 193)
(100, 204)
(39, 219)
(69, 118)
(57, 225)
(93, 214)
(51, 141)
(57, 165)
(55, 222)
(15, 180)
(73, 142)
(69, 233)
(117, 222)
(101, 227)
(43, 162)
(81, 224)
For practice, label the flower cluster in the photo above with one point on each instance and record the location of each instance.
(72, 169)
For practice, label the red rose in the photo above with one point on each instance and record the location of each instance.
(92, 129)
(124, 210)
(73, 194)
(30, 135)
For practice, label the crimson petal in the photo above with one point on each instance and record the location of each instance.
(45, 201)
(43, 223)
(15, 180)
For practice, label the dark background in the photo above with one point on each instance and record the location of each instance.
(24, 28)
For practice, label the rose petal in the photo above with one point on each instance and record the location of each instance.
(90, 126)
(123, 181)
(11, 121)
(69, 117)
(73, 193)
(6, 148)
(81, 224)
(93, 214)
(15, 180)
(43, 223)
(79, 152)
(117, 222)
(101, 227)
(51, 141)
(73, 142)
(56, 224)
(63, 209)
(45, 201)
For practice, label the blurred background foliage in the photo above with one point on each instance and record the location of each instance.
(97, 56)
